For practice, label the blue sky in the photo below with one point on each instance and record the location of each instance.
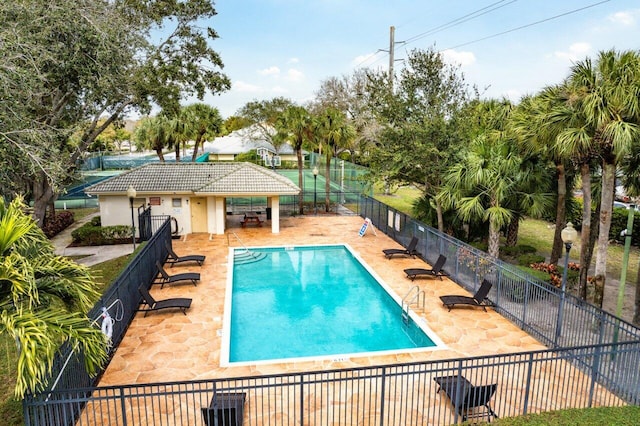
(288, 47)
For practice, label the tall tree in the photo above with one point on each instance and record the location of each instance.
(607, 92)
(575, 142)
(263, 116)
(537, 134)
(334, 133)
(494, 182)
(202, 122)
(348, 94)
(421, 130)
(43, 300)
(72, 63)
(296, 127)
(154, 133)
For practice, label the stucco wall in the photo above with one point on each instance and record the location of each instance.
(115, 210)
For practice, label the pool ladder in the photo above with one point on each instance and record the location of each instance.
(413, 296)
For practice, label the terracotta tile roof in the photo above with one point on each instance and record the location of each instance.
(198, 178)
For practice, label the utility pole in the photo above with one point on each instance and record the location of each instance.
(392, 34)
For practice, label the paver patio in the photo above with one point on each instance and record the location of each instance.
(169, 346)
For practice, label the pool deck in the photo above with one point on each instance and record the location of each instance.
(169, 346)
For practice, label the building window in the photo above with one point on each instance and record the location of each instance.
(176, 202)
(154, 201)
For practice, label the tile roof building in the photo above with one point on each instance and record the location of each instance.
(194, 193)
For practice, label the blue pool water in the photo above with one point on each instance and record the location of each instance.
(313, 302)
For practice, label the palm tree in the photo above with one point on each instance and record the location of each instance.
(574, 141)
(538, 120)
(202, 122)
(153, 133)
(177, 133)
(493, 182)
(607, 96)
(334, 133)
(295, 126)
(43, 300)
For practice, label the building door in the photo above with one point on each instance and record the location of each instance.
(199, 214)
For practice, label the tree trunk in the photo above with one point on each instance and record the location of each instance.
(177, 152)
(494, 239)
(606, 205)
(598, 291)
(160, 155)
(300, 181)
(512, 231)
(561, 215)
(196, 145)
(439, 216)
(42, 195)
(585, 235)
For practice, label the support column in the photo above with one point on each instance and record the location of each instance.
(275, 214)
(220, 215)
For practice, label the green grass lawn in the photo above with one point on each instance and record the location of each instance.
(402, 199)
(619, 416)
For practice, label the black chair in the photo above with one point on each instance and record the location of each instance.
(165, 278)
(174, 258)
(225, 409)
(409, 251)
(436, 271)
(479, 299)
(154, 305)
(468, 400)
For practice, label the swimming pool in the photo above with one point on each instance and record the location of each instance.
(316, 302)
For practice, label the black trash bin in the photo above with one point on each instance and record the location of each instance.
(268, 213)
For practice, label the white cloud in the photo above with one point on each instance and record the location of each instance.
(626, 18)
(241, 86)
(460, 58)
(270, 71)
(577, 51)
(295, 75)
(363, 60)
(293, 61)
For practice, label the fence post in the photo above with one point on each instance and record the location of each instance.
(382, 391)
(301, 399)
(123, 406)
(457, 403)
(527, 387)
(594, 373)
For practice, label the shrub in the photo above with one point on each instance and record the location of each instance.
(555, 273)
(515, 251)
(528, 259)
(480, 245)
(53, 226)
(90, 235)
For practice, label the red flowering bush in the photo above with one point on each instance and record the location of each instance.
(53, 226)
(555, 275)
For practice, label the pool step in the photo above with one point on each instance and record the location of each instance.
(246, 257)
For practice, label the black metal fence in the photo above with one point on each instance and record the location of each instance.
(533, 305)
(595, 360)
(120, 302)
(403, 394)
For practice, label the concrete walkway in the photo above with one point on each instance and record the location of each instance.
(94, 254)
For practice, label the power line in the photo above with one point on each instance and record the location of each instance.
(530, 25)
(469, 16)
(461, 20)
